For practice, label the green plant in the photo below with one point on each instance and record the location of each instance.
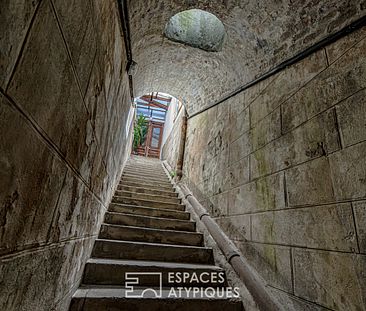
(173, 174)
(139, 131)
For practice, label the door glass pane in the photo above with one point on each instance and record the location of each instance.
(155, 137)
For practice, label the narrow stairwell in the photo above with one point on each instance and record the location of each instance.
(147, 231)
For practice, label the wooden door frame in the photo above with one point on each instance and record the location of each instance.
(153, 152)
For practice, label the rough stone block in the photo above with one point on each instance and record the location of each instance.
(79, 34)
(215, 164)
(310, 183)
(240, 148)
(51, 271)
(242, 100)
(111, 55)
(237, 104)
(255, 91)
(261, 195)
(222, 112)
(78, 213)
(326, 227)
(96, 103)
(360, 219)
(315, 138)
(272, 262)
(238, 124)
(30, 186)
(334, 280)
(266, 130)
(286, 84)
(218, 204)
(218, 138)
(219, 183)
(15, 19)
(290, 302)
(341, 46)
(54, 102)
(236, 227)
(343, 78)
(351, 115)
(238, 173)
(348, 168)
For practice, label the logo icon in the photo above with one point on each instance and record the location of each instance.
(133, 281)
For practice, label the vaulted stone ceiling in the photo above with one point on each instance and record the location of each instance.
(260, 35)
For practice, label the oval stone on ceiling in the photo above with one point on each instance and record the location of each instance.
(196, 28)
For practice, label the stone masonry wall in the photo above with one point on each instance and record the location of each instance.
(64, 101)
(282, 168)
(170, 150)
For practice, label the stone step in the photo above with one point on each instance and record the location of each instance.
(151, 235)
(146, 175)
(153, 168)
(149, 203)
(147, 191)
(112, 298)
(147, 179)
(159, 173)
(148, 211)
(149, 222)
(157, 170)
(144, 196)
(113, 249)
(113, 272)
(144, 161)
(146, 185)
(164, 178)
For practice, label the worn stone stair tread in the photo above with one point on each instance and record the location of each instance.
(147, 211)
(149, 203)
(151, 186)
(113, 272)
(149, 197)
(100, 291)
(156, 235)
(155, 264)
(154, 229)
(142, 244)
(147, 173)
(145, 194)
(143, 190)
(141, 164)
(146, 181)
(159, 171)
(108, 299)
(162, 179)
(152, 251)
(149, 222)
(152, 217)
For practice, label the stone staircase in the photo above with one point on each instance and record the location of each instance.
(147, 230)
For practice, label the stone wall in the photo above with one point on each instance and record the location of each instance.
(64, 101)
(170, 150)
(282, 167)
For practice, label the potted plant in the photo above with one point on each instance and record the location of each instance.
(140, 131)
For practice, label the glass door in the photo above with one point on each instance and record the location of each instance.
(154, 139)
